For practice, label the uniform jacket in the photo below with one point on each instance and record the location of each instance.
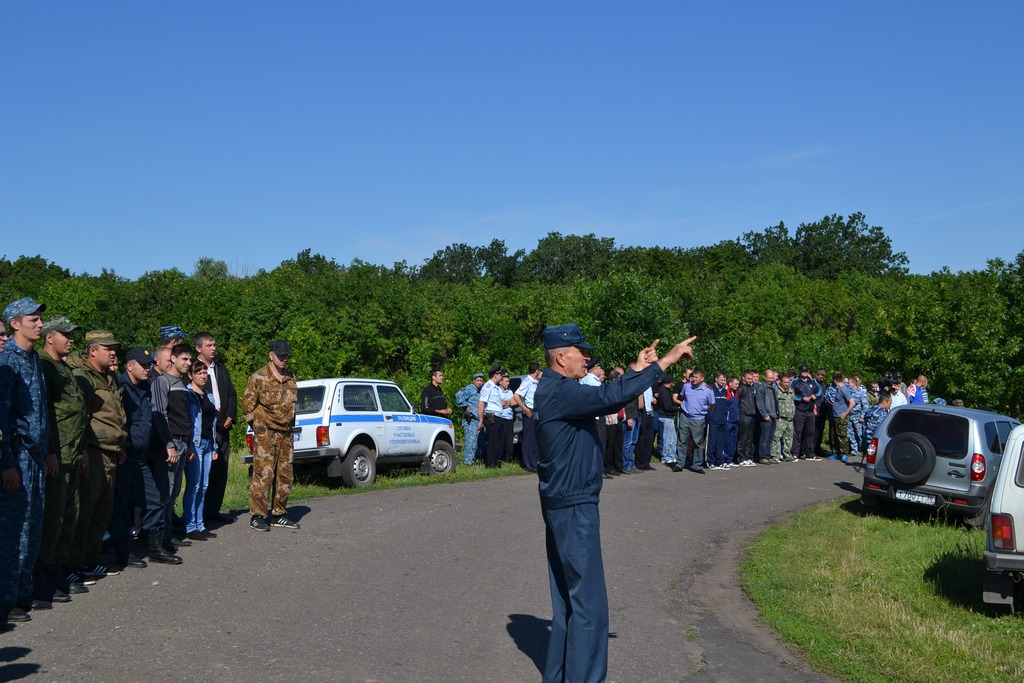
(467, 399)
(24, 416)
(138, 412)
(103, 402)
(268, 402)
(786, 405)
(66, 404)
(571, 463)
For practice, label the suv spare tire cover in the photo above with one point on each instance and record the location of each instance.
(909, 458)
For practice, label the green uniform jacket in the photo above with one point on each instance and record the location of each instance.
(787, 406)
(68, 417)
(103, 403)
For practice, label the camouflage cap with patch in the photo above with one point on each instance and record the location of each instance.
(101, 337)
(60, 323)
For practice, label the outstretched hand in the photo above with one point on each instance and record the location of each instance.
(649, 355)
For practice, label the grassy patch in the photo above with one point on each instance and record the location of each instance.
(883, 597)
(310, 484)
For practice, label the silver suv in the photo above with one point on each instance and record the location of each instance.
(938, 457)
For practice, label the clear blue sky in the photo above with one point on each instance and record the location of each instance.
(140, 136)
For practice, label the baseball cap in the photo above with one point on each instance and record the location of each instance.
(139, 355)
(558, 336)
(23, 306)
(279, 348)
(172, 332)
(60, 324)
(100, 337)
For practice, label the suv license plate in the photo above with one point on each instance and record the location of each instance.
(914, 497)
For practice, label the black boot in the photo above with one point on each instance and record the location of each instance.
(157, 552)
(44, 589)
(123, 557)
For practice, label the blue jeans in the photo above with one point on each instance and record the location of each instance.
(667, 439)
(197, 478)
(629, 439)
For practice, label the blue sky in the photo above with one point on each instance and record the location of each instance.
(141, 136)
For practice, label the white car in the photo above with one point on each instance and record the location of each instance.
(354, 425)
(1004, 552)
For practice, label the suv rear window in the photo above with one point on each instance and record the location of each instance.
(309, 400)
(358, 398)
(948, 433)
(996, 434)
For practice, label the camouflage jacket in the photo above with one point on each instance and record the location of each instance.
(103, 403)
(787, 407)
(22, 406)
(268, 402)
(66, 404)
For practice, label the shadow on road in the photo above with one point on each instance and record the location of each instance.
(12, 672)
(530, 635)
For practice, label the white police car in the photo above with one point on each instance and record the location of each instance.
(354, 425)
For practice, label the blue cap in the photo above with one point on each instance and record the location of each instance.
(139, 355)
(23, 306)
(478, 374)
(558, 336)
(172, 332)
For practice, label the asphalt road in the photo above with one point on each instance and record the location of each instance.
(439, 583)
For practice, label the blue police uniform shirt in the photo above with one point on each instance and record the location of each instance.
(696, 400)
(527, 390)
(23, 409)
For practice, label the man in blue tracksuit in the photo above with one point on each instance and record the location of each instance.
(570, 469)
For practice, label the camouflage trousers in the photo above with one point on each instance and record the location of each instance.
(271, 465)
(95, 508)
(782, 444)
(60, 516)
(837, 440)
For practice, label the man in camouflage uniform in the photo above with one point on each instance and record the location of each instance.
(783, 441)
(24, 453)
(105, 437)
(269, 407)
(68, 418)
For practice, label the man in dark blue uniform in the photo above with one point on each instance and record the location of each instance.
(570, 471)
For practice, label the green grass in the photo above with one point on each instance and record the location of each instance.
(894, 597)
(309, 485)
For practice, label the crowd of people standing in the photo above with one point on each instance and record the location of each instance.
(94, 460)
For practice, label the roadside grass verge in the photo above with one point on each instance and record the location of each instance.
(879, 598)
(309, 483)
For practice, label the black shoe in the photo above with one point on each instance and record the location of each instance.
(122, 563)
(97, 571)
(259, 523)
(76, 577)
(209, 534)
(158, 552)
(219, 518)
(697, 470)
(607, 476)
(60, 596)
(77, 588)
(18, 616)
(196, 536)
(32, 604)
(179, 543)
(676, 467)
(283, 521)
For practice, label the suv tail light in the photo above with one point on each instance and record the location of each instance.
(323, 437)
(249, 443)
(1002, 532)
(977, 467)
(872, 451)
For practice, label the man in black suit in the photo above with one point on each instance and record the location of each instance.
(225, 398)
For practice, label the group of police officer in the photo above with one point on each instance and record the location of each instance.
(86, 454)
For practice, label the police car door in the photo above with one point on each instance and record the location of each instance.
(401, 425)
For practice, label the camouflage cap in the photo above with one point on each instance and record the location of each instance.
(172, 332)
(23, 306)
(60, 324)
(101, 337)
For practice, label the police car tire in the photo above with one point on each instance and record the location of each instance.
(442, 458)
(359, 468)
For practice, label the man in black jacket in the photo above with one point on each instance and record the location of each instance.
(225, 399)
(135, 485)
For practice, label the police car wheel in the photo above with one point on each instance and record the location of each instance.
(359, 469)
(442, 458)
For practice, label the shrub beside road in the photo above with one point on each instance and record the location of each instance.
(893, 597)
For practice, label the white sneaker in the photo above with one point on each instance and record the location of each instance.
(748, 463)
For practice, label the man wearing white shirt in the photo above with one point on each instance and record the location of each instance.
(524, 399)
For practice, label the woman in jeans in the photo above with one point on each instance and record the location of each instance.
(197, 469)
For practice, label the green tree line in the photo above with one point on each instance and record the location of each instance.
(831, 294)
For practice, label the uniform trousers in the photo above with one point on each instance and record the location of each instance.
(855, 433)
(470, 438)
(135, 487)
(60, 515)
(495, 439)
(96, 508)
(529, 445)
(690, 428)
(21, 526)
(578, 648)
(837, 440)
(271, 464)
(782, 444)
